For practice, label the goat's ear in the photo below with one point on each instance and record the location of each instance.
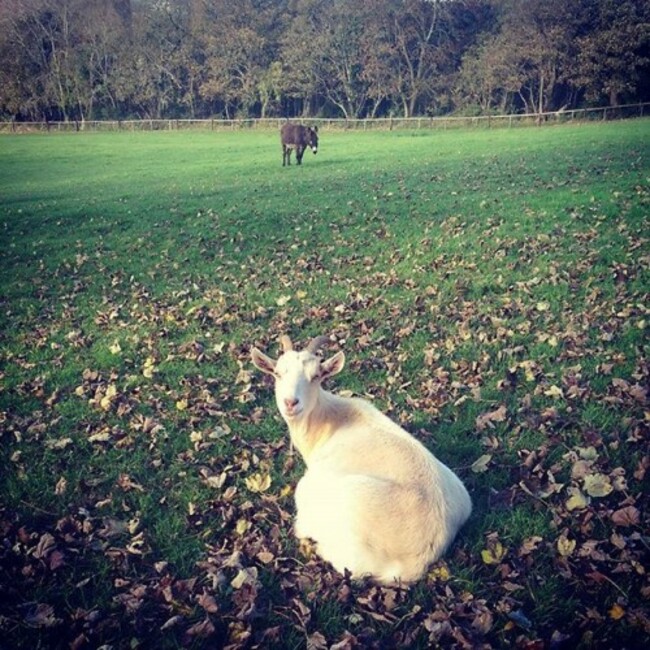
(332, 366)
(262, 362)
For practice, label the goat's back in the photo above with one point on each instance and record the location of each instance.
(371, 443)
(377, 501)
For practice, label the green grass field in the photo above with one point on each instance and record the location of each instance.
(490, 291)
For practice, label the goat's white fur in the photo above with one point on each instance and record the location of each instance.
(373, 498)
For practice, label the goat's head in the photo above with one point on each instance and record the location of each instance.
(298, 376)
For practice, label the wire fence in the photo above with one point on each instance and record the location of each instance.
(626, 111)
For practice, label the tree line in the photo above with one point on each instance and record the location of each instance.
(118, 59)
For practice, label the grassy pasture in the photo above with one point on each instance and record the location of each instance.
(490, 291)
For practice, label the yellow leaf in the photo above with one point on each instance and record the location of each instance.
(115, 348)
(307, 548)
(529, 368)
(149, 367)
(480, 465)
(616, 613)
(577, 500)
(258, 482)
(265, 557)
(554, 391)
(105, 403)
(181, 404)
(103, 435)
(61, 486)
(196, 436)
(441, 573)
(137, 545)
(588, 453)
(245, 576)
(494, 555)
(242, 526)
(597, 485)
(565, 546)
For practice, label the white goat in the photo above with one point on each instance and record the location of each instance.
(373, 498)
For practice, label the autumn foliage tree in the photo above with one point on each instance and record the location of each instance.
(81, 60)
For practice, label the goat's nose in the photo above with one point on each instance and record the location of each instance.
(291, 402)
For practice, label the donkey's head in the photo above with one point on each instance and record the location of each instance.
(312, 135)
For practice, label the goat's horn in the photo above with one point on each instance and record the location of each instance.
(286, 343)
(316, 343)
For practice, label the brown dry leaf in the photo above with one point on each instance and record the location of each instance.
(489, 419)
(316, 641)
(580, 469)
(42, 616)
(483, 622)
(208, 603)
(348, 642)
(642, 467)
(127, 483)
(171, 623)
(201, 630)
(46, 544)
(639, 393)
(529, 545)
(628, 516)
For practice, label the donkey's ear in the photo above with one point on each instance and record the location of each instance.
(262, 362)
(316, 129)
(332, 366)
